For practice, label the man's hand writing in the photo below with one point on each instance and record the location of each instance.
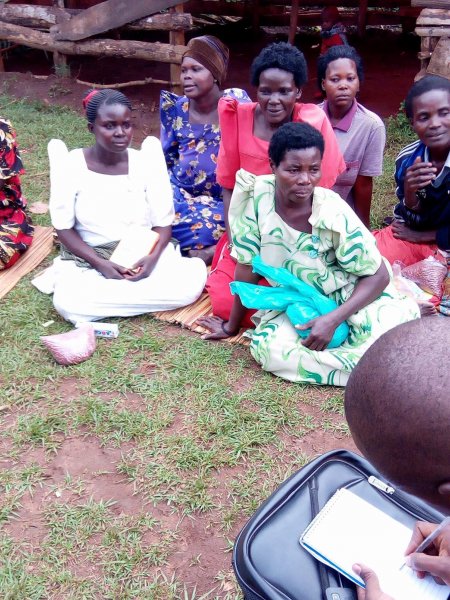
(436, 558)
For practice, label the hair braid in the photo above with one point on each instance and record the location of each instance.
(96, 98)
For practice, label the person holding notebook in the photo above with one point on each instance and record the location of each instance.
(398, 412)
(101, 194)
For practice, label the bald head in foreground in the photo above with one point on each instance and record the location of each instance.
(397, 404)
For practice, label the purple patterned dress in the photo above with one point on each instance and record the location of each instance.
(191, 152)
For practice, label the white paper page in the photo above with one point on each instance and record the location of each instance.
(136, 243)
(349, 530)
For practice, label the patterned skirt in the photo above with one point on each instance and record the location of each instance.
(199, 221)
(16, 235)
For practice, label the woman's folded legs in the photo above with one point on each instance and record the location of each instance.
(85, 295)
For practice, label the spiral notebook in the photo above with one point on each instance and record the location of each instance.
(350, 530)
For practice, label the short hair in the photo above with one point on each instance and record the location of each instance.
(294, 136)
(397, 407)
(424, 85)
(335, 53)
(94, 99)
(280, 55)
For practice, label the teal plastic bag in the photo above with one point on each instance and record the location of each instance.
(300, 301)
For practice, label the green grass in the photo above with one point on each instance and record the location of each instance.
(398, 134)
(187, 435)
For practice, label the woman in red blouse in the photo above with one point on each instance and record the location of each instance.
(278, 73)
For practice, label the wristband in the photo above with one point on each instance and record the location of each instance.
(418, 195)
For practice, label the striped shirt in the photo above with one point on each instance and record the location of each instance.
(434, 198)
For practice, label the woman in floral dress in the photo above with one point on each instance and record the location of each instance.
(190, 137)
(16, 230)
(313, 233)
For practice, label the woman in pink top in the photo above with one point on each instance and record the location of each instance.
(278, 72)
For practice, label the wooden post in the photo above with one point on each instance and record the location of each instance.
(362, 17)
(440, 60)
(60, 60)
(433, 24)
(44, 17)
(256, 15)
(176, 38)
(293, 21)
(98, 47)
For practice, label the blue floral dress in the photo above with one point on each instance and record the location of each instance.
(191, 152)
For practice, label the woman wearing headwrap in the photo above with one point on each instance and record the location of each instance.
(16, 230)
(190, 137)
(101, 195)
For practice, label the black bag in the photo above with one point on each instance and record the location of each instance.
(268, 560)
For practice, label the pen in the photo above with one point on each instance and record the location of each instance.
(433, 535)
(430, 538)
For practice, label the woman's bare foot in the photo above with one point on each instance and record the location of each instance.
(206, 254)
(427, 309)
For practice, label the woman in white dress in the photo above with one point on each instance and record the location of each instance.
(100, 195)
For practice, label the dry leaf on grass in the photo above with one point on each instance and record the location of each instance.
(38, 208)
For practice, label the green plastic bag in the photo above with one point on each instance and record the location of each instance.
(301, 302)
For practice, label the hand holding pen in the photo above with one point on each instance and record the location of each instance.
(435, 540)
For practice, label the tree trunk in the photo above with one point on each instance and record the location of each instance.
(43, 17)
(432, 3)
(120, 48)
(293, 21)
(60, 60)
(176, 37)
(107, 15)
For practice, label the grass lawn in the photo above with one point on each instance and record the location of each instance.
(129, 475)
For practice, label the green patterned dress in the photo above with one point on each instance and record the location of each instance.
(331, 258)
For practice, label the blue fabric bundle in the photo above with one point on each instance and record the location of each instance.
(301, 302)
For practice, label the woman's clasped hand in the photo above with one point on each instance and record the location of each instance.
(102, 195)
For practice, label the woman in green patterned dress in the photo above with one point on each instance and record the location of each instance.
(314, 234)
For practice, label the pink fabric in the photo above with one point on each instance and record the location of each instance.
(218, 284)
(240, 149)
(406, 252)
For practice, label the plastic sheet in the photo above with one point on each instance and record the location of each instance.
(429, 274)
(301, 302)
(72, 347)
(406, 286)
